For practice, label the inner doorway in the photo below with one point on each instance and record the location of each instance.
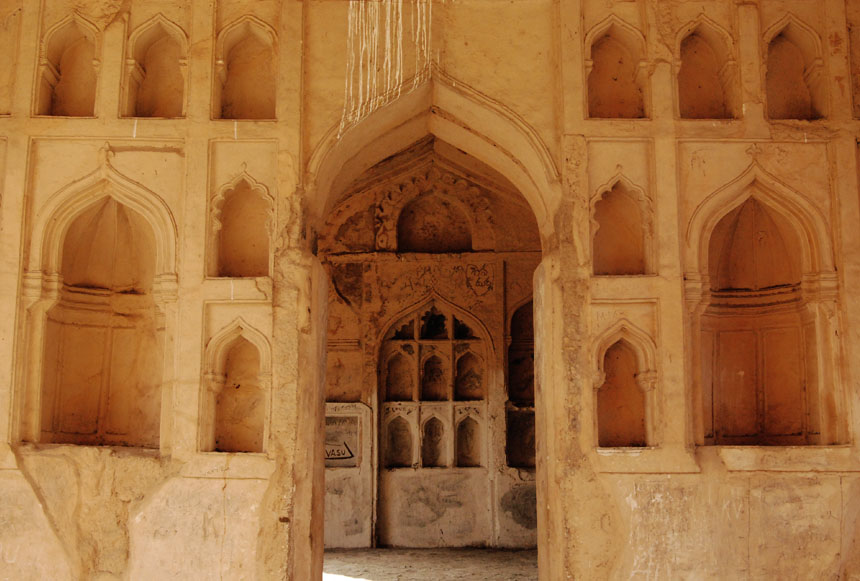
(431, 256)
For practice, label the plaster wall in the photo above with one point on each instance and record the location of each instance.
(508, 96)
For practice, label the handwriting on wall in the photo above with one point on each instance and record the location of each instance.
(342, 441)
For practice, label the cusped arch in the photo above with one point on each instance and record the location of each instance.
(641, 344)
(635, 191)
(218, 347)
(722, 45)
(240, 28)
(64, 206)
(800, 34)
(432, 299)
(150, 31)
(483, 128)
(255, 186)
(620, 30)
(804, 216)
(53, 41)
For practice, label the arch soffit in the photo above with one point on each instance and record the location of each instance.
(712, 33)
(147, 33)
(218, 347)
(64, 206)
(807, 220)
(800, 34)
(239, 28)
(87, 28)
(433, 298)
(224, 192)
(482, 127)
(625, 33)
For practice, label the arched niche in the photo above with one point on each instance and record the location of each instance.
(762, 289)
(68, 69)
(621, 230)
(520, 407)
(398, 443)
(469, 382)
(616, 71)
(625, 387)
(468, 443)
(237, 383)
(104, 335)
(433, 445)
(399, 378)
(245, 71)
(434, 380)
(620, 401)
(241, 229)
(435, 224)
(794, 75)
(155, 70)
(706, 72)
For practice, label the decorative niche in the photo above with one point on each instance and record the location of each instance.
(237, 378)
(155, 71)
(625, 388)
(242, 221)
(616, 70)
(621, 230)
(795, 83)
(245, 71)
(432, 367)
(706, 73)
(68, 69)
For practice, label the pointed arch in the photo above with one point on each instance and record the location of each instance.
(809, 44)
(219, 345)
(616, 88)
(64, 206)
(804, 216)
(155, 30)
(720, 41)
(632, 194)
(639, 341)
(482, 127)
(56, 41)
(247, 28)
(217, 203)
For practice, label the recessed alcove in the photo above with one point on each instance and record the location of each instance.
(794, 83)
(469, 381)
(615, 73)
(241, 230)
(432, 223)
(434, 380)
(398, 445)
(399, 378)
(468, 443)
(101, 379)
(757, 340)
(433, 447)
(155, 71)
(68, 69)
(621, 233)
(240, 404)
(245, 71)
(706, 76)
(620, 400)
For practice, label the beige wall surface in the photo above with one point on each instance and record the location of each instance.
(213, 213)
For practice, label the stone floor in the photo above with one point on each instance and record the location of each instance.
(429, 564)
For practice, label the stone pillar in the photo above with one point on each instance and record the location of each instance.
(290, 543)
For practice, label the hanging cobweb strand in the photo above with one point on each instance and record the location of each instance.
(374, 59)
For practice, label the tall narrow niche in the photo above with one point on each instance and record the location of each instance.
(520, 413)
(68, 71)
(104, 340)
(240, 404)
(705, 77)
(758, 354)
(620, 401)
(793, 81)
(245, 72)
(616, 76)
(155, 72)
(619, 244)
(243, 220)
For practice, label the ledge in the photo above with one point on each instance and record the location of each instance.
(645, 461)
(787, 458)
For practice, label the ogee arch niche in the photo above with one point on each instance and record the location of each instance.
(430, 254)
(103, 351)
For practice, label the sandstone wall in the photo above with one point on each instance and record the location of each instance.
(215, 130)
